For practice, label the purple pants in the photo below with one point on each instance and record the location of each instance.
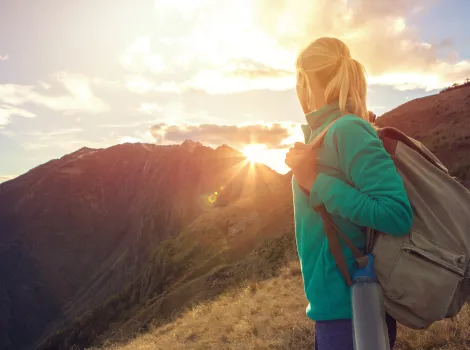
(338, 334)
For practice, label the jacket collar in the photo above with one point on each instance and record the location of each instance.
(320, 117)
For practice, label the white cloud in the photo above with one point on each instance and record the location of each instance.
(128, 139)
(149, 108)
(66, 145)
(44, 85)
(271, 135)
(175, 112)
(6, 112)
(4, 178)
(139, 57)
(238, 45)
(45, 135)
(6, 133)
(142, 85)
(79, 97)
(138, 137)
(65, 140)
(135, 124)
(4, 57)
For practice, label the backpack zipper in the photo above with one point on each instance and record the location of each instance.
(423, 255)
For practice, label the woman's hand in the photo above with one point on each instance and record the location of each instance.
(301, 159)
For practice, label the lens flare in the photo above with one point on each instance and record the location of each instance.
(212, 198)
(255, 153)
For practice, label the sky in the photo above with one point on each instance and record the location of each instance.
(98, 73)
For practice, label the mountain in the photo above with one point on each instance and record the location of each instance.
(441, 122)
(77, 230)
(102, 245)
(249, 239)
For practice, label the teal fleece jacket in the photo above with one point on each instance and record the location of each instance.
(360, 187)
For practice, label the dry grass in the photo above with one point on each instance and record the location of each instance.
(271, 315)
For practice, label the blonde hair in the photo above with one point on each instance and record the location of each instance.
(329, 61)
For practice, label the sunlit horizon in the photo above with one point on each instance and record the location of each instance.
(98, 74)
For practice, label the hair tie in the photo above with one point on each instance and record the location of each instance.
(341, 58)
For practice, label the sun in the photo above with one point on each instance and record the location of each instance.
(255, 153)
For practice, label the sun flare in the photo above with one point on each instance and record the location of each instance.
(255, 153)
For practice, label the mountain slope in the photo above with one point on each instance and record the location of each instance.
(76, 230)
(270, 314)
(261, 317)
(441, 122)
(103, 244)
(249, 239)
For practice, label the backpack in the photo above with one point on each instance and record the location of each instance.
(424, 275)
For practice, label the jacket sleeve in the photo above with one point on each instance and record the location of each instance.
(375, 196)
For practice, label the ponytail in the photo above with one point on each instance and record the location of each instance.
(329, 61)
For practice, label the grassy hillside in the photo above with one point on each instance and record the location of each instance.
(247, 240)
(270, 314)
(231, 280)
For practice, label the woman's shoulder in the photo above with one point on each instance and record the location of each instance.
(352, 130)
(351, 124)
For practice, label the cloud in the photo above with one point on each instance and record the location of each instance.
(149, 108)
(78, 99)
(133, 124)
(128, 139)
(273, 136)
(4, 178)
(231, 46)
(141, 85)
(71, 139)
(188, 53)
(4, 57)
(139, 57)
(44, 85)
(66, 144)
(45, 135)
(6, 112)
(64, 139)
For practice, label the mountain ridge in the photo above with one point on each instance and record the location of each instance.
(83, 225)
(113, 240)
(446, 132)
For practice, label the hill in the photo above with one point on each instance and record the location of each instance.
(441, 122)
(144, 246)
(248, 240)
(269, 312)
(79, 229)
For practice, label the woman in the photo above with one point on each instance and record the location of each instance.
(351, 175)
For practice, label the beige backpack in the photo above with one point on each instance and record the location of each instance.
(425, 275)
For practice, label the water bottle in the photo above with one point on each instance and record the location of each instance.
(369, 325)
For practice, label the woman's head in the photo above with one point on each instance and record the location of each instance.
(326, 72)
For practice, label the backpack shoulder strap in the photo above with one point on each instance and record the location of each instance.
(391, 137)
(333, 233)
(335, 250)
